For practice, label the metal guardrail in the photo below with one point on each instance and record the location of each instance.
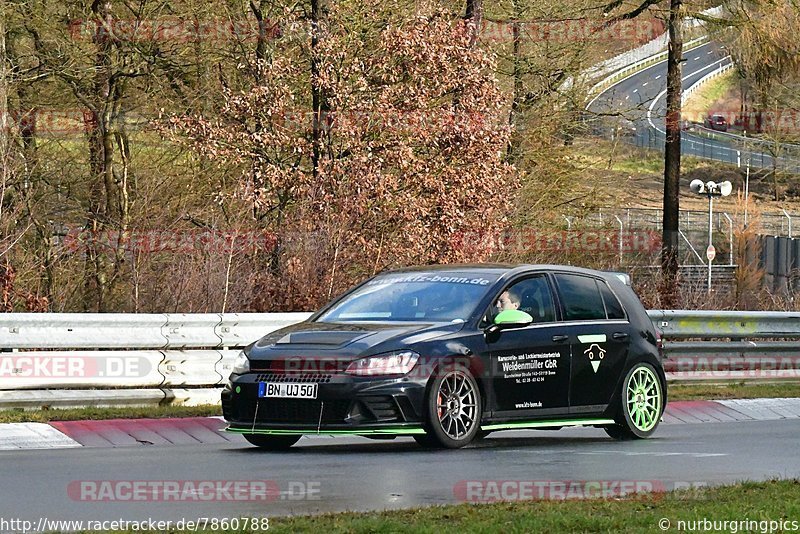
(685, 324)
(722, 69)
(52, 359)
(729, 346)
(125, 359)
(138, 331)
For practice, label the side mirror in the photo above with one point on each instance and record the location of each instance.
(511, 319)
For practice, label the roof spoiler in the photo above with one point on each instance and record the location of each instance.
(625, 278)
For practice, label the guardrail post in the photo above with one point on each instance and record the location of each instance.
(790, 221)
(730, 237)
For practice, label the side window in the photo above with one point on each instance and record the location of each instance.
(613, 307)
(531, 295)
(580, 297)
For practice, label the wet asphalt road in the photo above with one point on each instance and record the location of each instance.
(334, 474)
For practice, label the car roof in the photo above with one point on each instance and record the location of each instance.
(498, 268)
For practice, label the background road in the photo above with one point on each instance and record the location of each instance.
(361, 474)
(641, 99)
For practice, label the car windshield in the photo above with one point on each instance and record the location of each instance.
(424, 296)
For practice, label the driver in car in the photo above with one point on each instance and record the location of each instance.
(507, 301)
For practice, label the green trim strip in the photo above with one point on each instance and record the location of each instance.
(390, 431)
(419, 430)
(592, 338)
(539, 424)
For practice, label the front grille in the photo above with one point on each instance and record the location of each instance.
(299, 377)
(300, 365)
(300, 411)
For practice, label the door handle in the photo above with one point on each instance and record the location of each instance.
(619, 335)
(560, 338)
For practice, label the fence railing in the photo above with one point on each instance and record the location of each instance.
(124, 359)
(689, 221)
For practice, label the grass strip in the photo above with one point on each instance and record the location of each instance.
(125, 412)
(770, 506)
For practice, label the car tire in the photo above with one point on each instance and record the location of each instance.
(453, 409)
(482, 434)
(641, 404)
(270, 442)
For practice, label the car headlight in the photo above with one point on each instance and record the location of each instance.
(396, 363)
(241, 364)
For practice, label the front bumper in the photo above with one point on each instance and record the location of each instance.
(344, 405)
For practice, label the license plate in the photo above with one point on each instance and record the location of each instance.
(287, 390)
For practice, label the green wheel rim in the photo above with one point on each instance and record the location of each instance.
(644, 398)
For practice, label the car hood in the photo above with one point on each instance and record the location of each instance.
(340, 342)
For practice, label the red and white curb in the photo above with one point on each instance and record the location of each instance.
(199, 430)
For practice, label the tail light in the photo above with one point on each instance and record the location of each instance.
(660, 343)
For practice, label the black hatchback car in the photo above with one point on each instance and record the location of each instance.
(450, 353)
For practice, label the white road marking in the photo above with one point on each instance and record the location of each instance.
(657, 77)
(662, 93)
(656, 453)
(629, 76)
(644, 84)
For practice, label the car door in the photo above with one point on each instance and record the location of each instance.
(530, 366)
(599, 335)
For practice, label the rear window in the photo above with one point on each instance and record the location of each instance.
(613, 307)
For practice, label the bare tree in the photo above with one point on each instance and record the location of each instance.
(672, 150)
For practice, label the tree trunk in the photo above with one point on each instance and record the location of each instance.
(107, 191)
(4, 144)
(262, 37)
(474, 16)
(318, 104)
(672, 158)
(516, 102)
